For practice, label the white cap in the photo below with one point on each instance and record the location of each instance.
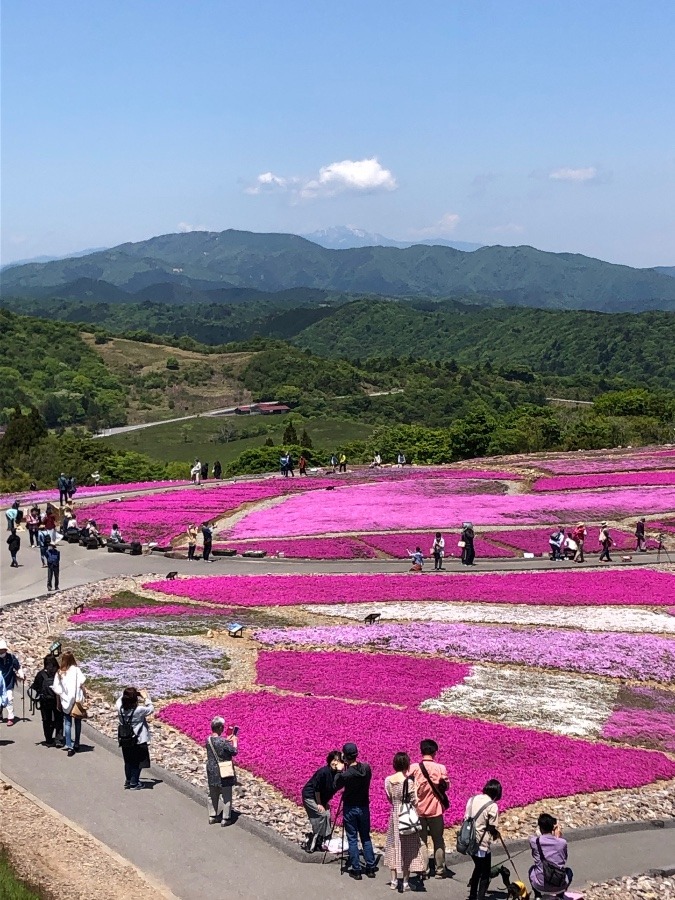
(3, 644)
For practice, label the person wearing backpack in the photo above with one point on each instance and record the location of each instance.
(550, 873)
(207, 536)
(432, 783)
(476, 834)
(52, 717)
(53, 557)
(133, 735)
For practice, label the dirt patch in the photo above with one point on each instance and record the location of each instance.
(64, 862)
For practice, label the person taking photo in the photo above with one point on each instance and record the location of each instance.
(355, 777)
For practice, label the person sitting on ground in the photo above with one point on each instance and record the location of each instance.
(316, 797)
(377, 461)
(641, 543)
(556, 541)
(67, 516)
(93, 532)
(115, 535)
(483, 808)
(405, 854)
(355, 778)
(417, 560)
(549, 851)
(133, 708)
(606, 542)
(569, 547)
(52, 717)
(438, 551)
(219, 750)
(432, 783)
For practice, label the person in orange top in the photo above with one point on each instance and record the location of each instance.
(431, 784)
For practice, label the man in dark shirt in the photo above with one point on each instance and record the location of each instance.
(355, 778)
(316, 797)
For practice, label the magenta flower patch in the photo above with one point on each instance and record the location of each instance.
(111, 614)
(633, 586)
(644, 717)
(398, 543)
(379, 677)
(531, 765)
(608, 480)
(536, 540)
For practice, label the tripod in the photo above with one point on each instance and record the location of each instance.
(662, 549)
(343, 865)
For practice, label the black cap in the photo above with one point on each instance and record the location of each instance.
(351, 751)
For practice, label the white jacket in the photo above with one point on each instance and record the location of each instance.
(68, 686)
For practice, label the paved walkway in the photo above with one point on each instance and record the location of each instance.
(166, 834)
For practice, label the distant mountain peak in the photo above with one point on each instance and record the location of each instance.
(349, 237)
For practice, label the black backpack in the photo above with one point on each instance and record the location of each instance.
(468, 842)
(126, 736)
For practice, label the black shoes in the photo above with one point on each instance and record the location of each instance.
(357, 876)
(370, 873)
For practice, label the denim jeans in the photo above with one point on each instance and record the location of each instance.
(132, 774)
(68, 730)
(357, 825)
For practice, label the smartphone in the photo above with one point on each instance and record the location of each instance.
(235, 730)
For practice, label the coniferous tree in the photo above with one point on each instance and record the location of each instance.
(290, 434)
(305, 440)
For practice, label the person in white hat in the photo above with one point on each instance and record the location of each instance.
(11, 672)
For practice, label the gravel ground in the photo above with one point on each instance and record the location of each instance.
(29, 628)
(640, 887)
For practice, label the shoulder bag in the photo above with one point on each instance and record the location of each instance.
(408, 819)
(225, 766)
(439, 793)
(554, 876)
(79, 708)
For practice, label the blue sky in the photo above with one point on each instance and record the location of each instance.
(543, 123)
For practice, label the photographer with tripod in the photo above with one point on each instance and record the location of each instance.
(355, 778)
(316, 797)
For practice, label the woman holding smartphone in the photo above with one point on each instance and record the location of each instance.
(220, 774)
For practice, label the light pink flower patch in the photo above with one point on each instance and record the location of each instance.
(531, 765)
(632, 586)
(609, 480)
(381, 677)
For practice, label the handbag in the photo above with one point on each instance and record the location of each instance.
(461, 544)
(225, 766)
(79, 708)
(408, 819)
(554, 876)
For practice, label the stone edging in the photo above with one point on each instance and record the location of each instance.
(273, 838)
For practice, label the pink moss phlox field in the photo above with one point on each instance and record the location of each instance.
(609, 480)
(645, 716)
(306, 548)
(98, 490)
(632, 587)
(163, 516)
(110, 614)
(642, 657)
(398, 543)
(573, 465)
(415, 505)
(380, 677)
(667, 526)
(535, 540)
(531, 765)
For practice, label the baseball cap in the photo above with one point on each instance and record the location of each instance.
(350, 750)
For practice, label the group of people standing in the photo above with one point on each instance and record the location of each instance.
(199, 471)
(42, 534)
(207, 541)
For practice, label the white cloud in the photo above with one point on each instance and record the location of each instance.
(445, 225)
(348, 175)
(509, 228)
(589, 173)
(185, 227)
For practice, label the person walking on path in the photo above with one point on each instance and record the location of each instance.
(438, 551)
(133, 708)
(33, 524)
(62, 485)
(14, 545)
(207, 535)
(355, 778)
(50, 522)
(3, 696)
(404, 854)
(466, 544)
(641, 543)
(217, 469)
(483, 808)
(43, 541)
(431, 785)
(220, 773)
(579, 537)
(316, 797)
(11, 671)
(53, 557)
(302, 465)
(605, 542)
(72, 487)
(52, 717)
(69, 688)
(192, 540)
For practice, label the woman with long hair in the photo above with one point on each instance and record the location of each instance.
(69, 688)
(133, 708)
(404, 853)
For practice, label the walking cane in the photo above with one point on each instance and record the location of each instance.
(23, 700)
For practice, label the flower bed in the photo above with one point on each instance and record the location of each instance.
(403, 506)
(584, 618)
(634, 586)
(608, 480)
(560, 703)
(164, 666)
(531, 765)
(118, 614)
(536, 540)
(380, 677)
(644, 717)
(640, 657)
(98, 490)
(573, 464)
(306, 548)
(398, 543)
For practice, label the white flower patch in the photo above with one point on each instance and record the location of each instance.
(584, 618)
(561, 703)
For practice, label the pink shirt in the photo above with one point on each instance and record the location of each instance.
(428, 805)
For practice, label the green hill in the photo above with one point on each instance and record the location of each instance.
(207, 261)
